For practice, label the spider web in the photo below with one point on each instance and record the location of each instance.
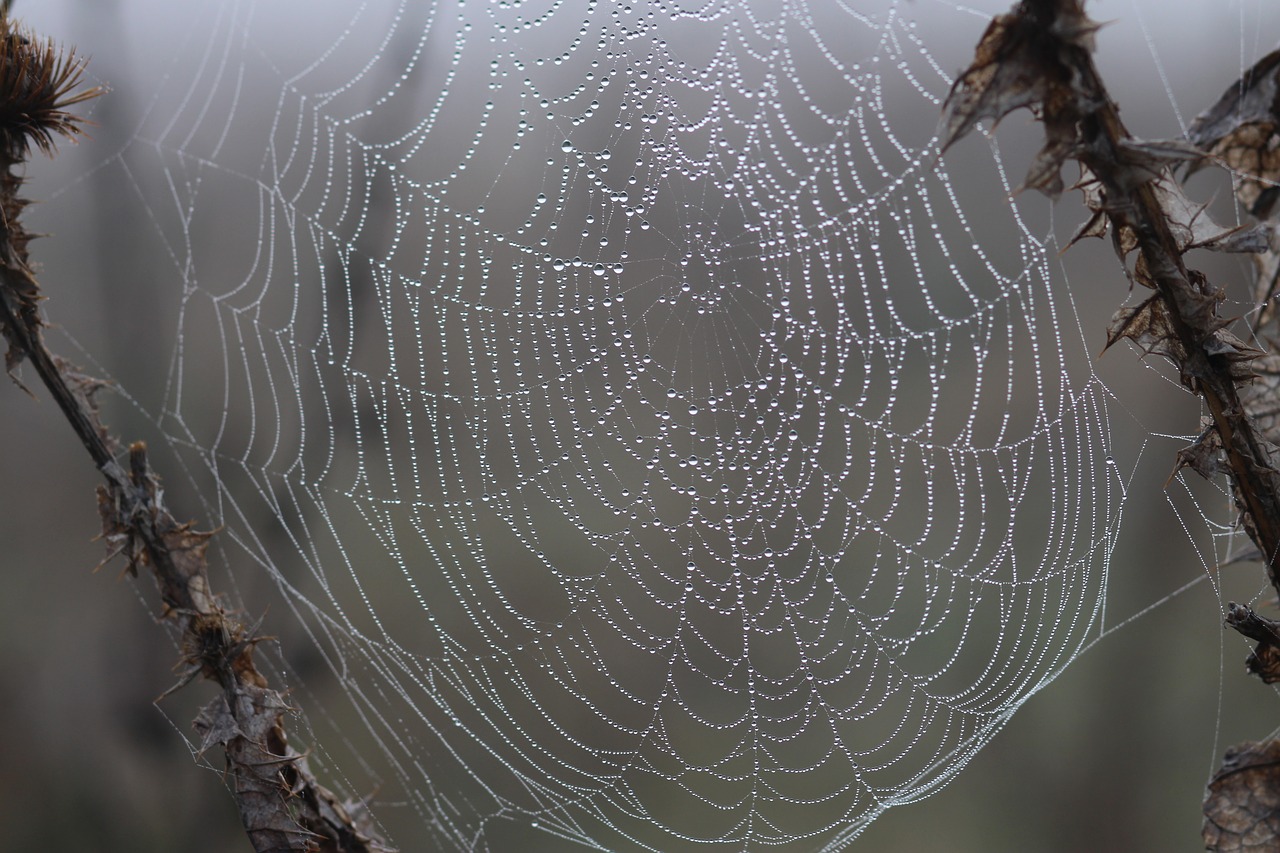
(657, 443)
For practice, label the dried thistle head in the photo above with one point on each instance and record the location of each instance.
(38, 83)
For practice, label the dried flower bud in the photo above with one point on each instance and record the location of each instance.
(38, 84)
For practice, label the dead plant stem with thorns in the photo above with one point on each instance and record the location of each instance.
(281, 804)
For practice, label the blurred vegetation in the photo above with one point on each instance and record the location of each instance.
(1112, 756)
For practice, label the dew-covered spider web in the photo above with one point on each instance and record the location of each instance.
(660, 446)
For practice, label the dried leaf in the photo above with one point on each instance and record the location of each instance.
(1091, 191)
(1249, 100)
(1188, 220)
(1241, 131)
(1159, 153)
(1151, 327)
(998, 82)
(260, 788)
(1124, 240)
(1197, 305)
(1045, 172)
(1204, 456)
(1223, 343)
(216, 726)
(1254, 239)
(1264, 661)
(1141, 270)
(1148, 325)
(1019, 63)
(1242, 803)
(1094, 226)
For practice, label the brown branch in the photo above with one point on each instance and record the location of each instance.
(1213, 373)
(282, 806)
(1040, 56)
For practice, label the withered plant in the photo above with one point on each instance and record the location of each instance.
(1039, 56)
(281, 804)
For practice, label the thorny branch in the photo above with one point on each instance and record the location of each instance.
(1039, 56)
(282, 806)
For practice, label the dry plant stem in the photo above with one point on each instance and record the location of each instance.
(1102, 133)
(1248, 461)
(1040, 56)
(282, 806)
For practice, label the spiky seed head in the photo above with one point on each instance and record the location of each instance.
(38, 84)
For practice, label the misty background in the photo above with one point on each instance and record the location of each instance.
(1112, 756)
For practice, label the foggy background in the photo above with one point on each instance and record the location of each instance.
(1112, 756)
